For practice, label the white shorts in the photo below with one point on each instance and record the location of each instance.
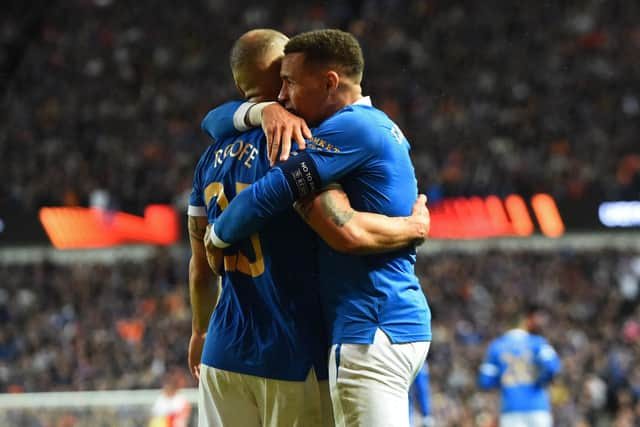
(526, 419)
(230, 399)
(370, 382)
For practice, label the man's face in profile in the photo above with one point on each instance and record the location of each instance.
(304, 88)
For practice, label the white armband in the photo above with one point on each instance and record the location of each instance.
(238, 116)
(215, 240)
(255, 113)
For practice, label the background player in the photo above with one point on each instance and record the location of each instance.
(266, 332)
(171, 408)
(521, 364)
(420, 392)
(378, 315)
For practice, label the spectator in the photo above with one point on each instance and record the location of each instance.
(507, 99)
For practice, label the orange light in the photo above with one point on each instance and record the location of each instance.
(548, 215)
(520, 218)
(473, 218)
(498, 215)
(76, 228)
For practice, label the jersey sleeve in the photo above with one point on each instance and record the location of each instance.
(197, 206)
(489, 374)
(252, 208)
(227, 120)
(547, 362)
(338, 148)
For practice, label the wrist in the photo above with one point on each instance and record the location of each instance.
(239, 117)
(198, 333)
(418, 228)
(215, 240)
(253, 116)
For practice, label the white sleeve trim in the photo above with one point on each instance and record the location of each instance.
(547, 352)
(489, 369)
(196, 211)
(238, 116)
(215, 240)
(255, 113)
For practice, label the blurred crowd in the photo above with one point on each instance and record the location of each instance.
(93, 326)
(101, 105)
(124, 326)
(102, 101)
(594, 324)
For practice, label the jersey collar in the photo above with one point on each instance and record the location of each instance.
(517, 331)
(365, 100)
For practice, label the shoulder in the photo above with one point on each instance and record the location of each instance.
(353, 126)
(537, 339)
(540, 341)
(216, 113)
(207, 122)
(495, 345)
(359, 118)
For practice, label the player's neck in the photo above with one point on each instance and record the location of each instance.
(341, 98)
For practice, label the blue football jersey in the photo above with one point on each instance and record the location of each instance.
(267, 322)
(363, 150)
(521, 365)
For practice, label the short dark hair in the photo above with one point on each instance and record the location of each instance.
(533, 308)
(329, 47)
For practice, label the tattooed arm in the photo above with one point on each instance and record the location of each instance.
(204, 289)
(345, 230)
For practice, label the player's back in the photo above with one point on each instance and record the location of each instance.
(372, 163)
(516, 355)
(259, 325)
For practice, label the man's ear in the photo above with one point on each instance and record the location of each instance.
(332, 80)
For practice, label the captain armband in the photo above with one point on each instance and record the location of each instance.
(302, 175)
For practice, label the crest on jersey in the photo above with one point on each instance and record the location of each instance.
(397, 134)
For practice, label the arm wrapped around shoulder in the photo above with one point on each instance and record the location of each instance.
(215, 257)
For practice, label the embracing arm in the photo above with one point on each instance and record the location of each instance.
(226, 120)
(252, 208)
(204, 290)
(279, 126)
(345, 230)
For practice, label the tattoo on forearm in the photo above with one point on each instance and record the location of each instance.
(195, 231)
(337, 215)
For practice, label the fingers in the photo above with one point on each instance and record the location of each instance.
(285, 146)
(195, 372)
(306, 132)
(299, 138)
(281, 136)
(420, 204)
(274, 147)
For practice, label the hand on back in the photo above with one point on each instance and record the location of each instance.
(421, 218)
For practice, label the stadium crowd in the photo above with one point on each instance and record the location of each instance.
(103, 103)
(97, 327)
